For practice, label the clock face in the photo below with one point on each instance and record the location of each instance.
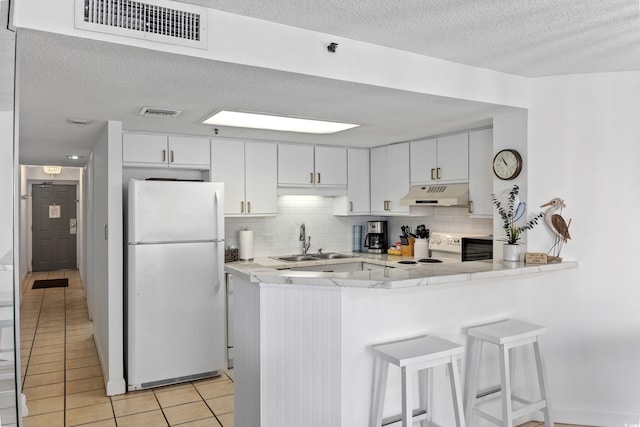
(507, 164)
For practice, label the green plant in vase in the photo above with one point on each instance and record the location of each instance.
(510, 217)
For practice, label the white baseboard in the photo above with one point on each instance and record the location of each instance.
(587, 417)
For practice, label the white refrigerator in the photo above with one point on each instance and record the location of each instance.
(175, 296)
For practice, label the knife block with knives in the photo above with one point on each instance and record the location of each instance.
(407, 250)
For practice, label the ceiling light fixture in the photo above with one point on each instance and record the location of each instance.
(52, 170)
(272, 122)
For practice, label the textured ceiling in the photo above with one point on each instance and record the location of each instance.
(117, 82)
(524, 37)
(64, 77)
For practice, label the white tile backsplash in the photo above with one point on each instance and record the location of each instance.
(444, 219)
(279, 235)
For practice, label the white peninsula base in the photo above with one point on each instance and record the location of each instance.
(303, 353)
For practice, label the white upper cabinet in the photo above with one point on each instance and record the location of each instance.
(357, 200)
(453, 158)
(144, 149)
(227, 165)
(261, 173)
(308, 166)
(153, 150)
(444, 159)
(389, 179)
(249, 173)
(331, 166)
(424, 161)
(480, 173)
(295, 164)
(189, 152)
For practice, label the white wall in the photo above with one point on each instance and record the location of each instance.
(6, 181)
(584, 136)
(23, 231)
(510, 131)
(107, 256)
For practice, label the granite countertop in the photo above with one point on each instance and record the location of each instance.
(389, 274)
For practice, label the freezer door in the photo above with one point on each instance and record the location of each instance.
(176, 312)
(166, 211)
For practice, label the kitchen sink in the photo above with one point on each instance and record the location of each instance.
(346, 267)
(298, 258)
(332, 255)
(314, 257)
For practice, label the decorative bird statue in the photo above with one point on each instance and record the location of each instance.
(557, 225)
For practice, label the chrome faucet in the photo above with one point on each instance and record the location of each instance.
(303, 238)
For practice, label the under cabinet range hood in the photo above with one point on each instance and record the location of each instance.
(437, 195)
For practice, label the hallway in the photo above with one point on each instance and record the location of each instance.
(62, 379)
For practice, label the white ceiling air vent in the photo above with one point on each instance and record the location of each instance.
(159, 112)
(149, 19)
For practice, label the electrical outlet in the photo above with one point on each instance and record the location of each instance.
(268, 240)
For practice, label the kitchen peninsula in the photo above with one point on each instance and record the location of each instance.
(303, 338)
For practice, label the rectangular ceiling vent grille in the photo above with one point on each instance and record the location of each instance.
(149, 20)
(159, 112)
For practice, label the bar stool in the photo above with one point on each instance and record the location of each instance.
(507, 335)
(415, 355)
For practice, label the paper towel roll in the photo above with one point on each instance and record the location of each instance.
(246, 245)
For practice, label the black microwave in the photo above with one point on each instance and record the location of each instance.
(477, 248)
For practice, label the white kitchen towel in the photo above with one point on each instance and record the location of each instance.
(246, 245)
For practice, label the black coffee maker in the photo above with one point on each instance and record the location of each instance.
(377, 236)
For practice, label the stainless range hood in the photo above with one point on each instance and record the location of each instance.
(437, 195)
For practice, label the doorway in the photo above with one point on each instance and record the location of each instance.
(54, 221)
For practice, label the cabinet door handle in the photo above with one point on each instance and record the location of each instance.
(438, 173)
(310, 177)
(164, 156)
(241, 207)
(350, 206)
(318, 177)
(433, 174)
(172, 156)
(248, 207)
(470, 206)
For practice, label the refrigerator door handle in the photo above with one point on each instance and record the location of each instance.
(215, 204)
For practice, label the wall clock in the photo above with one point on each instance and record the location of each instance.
(507, 164)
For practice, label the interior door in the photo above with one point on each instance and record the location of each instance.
(54, 227)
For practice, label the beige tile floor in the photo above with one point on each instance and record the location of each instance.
(63, 382)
